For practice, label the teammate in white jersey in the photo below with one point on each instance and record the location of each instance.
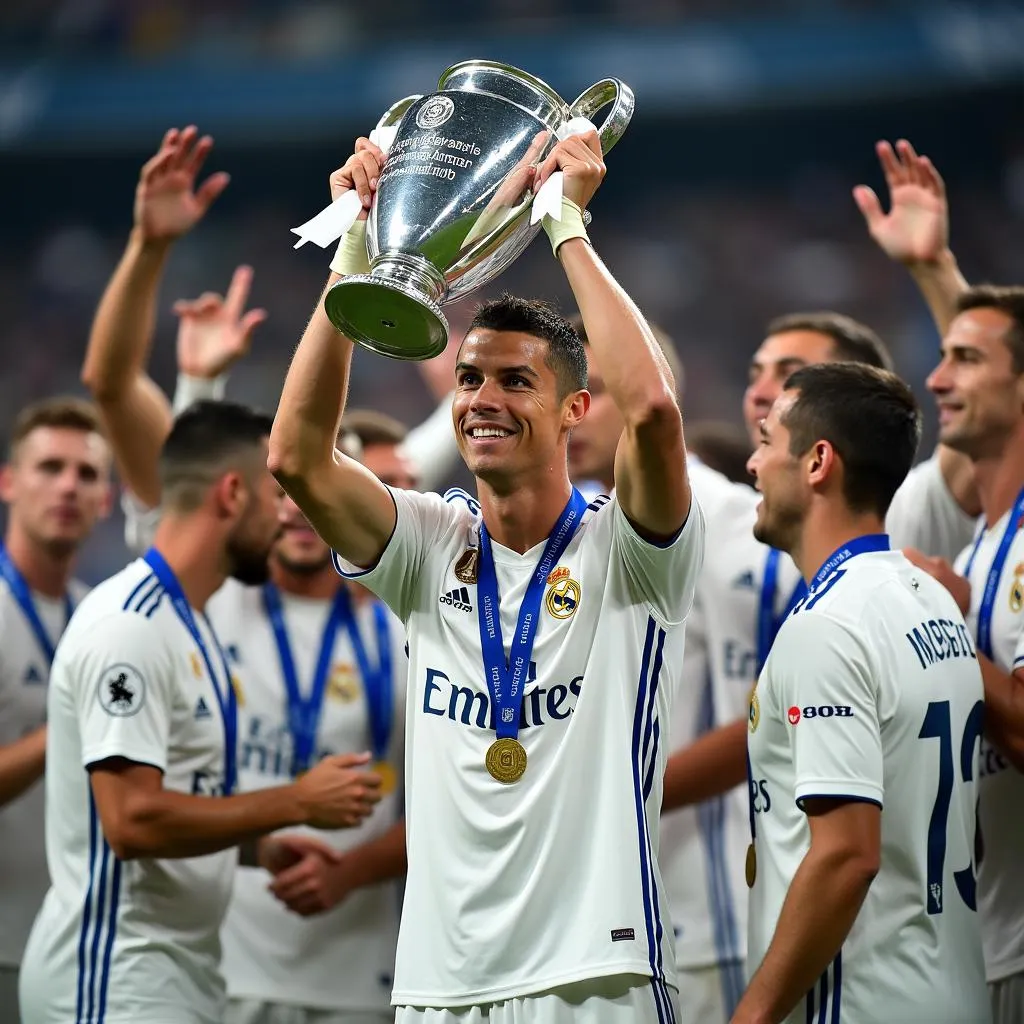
(56, 485)
(862, 747)
(141, 816)
(533, 891)
(319, 669)
(979, 386)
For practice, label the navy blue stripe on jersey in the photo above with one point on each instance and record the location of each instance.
(653, 729)
(115, 895)
(599, 502)
(83, 937)
(99, 912)
(711, 817)
(135, 593)
(135, 599)
(642, 726)
(152, 604)
(646, 877)
(454, 494)
(824, 1000)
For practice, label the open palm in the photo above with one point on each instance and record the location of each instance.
(167, 202)
(214, 332)
(916, 228)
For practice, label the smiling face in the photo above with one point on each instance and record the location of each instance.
(57, 485)
(510, 419)
(979, 392)
(785, 494)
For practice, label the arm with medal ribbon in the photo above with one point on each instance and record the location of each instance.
(1004, 691)
(142, 819)
(22, 762)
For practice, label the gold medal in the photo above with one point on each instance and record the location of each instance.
(751, 866)
(506, 760)
(467, 568)
(388, 776)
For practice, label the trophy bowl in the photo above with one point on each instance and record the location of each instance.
(452, 206)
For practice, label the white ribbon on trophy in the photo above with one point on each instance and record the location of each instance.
(334, 221)
(548, 201)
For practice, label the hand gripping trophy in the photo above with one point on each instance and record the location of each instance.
(453, 205)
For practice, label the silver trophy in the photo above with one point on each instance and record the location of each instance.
(452, 208)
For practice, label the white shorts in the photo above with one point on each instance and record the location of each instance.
(709, 995)
(256, 1011)
(619, 999)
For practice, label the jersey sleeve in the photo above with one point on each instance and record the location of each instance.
(123, 690)
(663, 575)
(421, 521)
(829, 696)
(925, 515)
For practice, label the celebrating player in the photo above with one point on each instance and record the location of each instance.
(544, 636)
(141, 810)
(979, 386)
(56, 485)
(863, 733)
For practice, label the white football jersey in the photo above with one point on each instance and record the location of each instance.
(872, 691)
(925, 515)
(709, 902)
(137, 940)
(24, 671)
(344, 958)
(518, 888)
(1000, 893)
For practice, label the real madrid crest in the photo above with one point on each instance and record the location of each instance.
(342, 684)
(563, 596)
(1017, 588)
(754, 712)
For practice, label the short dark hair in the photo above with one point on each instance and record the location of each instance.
(854, 342)
(63, 412)
(1008, 300)
(566, 356)
(206, 440)
(668, 349)
(372, 427)
(870, 417)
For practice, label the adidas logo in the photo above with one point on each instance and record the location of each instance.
(745, 581)
(457, 598)
(202, 709)
(33, 676)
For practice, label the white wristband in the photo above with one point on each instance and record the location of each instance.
(351, 256)
(570, 226)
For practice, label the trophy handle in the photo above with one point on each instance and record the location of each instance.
(396, 112)
(599, 95)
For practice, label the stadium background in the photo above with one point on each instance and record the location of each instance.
(727, 202)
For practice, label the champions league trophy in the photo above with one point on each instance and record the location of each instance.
(452, 207)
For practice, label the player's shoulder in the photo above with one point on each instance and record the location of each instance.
(717, 493)
(129, 601)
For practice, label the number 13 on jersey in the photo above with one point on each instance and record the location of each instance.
(937, 725)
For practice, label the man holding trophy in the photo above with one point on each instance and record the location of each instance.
(545, 634)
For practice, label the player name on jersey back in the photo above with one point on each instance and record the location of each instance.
(872, 692)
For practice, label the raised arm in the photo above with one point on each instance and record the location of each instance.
(135, 411)
(650, 464)
(347, 505)
(915, 231)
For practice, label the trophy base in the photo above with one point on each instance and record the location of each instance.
(387, 317)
